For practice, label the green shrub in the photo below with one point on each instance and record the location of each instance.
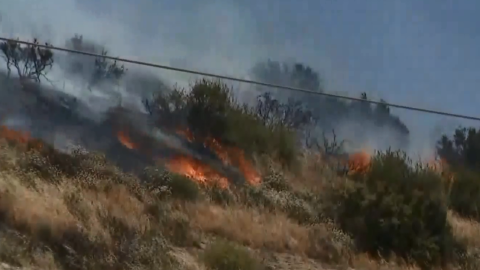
(209, 110)
(223, 255)
(275, 180)
(275, 141)
(275, 193)
(163, 183)
(209, 103)
(396, 207)
(465, 193)
(184, 187)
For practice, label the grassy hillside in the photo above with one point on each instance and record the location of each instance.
(77, 211)
(252, 188)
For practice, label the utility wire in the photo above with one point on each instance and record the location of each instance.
(125, 60)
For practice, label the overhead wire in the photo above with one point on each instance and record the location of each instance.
(270, 85)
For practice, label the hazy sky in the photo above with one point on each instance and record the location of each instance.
(422, 53)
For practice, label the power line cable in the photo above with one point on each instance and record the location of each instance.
(125, 60)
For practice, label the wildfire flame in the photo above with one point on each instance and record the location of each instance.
(124, 139)
(359, 162)
(196, 170)
(235, 157)
(13, 135)
(229, 156)
(22, 138)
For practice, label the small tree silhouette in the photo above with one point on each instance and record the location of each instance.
(331, 147)
(105, 70)
(291, 114)
(31, 61)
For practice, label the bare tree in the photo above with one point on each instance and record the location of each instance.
(331, 147)
(98, 71)
(105, 70)
(31, 62)
(268, 109)
(291, 114)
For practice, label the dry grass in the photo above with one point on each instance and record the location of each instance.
(466, 231)
(21, 206)
(250, 227)
(107, 224)
(81, 227)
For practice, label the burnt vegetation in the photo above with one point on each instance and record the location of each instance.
(394, 209)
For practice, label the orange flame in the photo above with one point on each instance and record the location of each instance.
(13, 135)
(20, 137)
(249, 172)
(196, 170)
(199, 171)
(230, 156)
(236, 157)
(359, 162)
(124, 139)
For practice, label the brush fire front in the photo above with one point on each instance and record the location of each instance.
(148, 151)
(201, 170)
(197, 167)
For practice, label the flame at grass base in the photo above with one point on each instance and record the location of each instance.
(230, 156)
(196, 170)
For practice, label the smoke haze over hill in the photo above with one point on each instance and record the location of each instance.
(355, 49)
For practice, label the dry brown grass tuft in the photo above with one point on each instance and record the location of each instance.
(270, 231)
(30, 210)
(365, 262)
(250, 227)
(76, 226)
(467, 231)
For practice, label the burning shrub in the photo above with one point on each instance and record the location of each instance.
(223, 255)
(210, 113)
(396, 207)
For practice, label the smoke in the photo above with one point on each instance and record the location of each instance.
(355, 48)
